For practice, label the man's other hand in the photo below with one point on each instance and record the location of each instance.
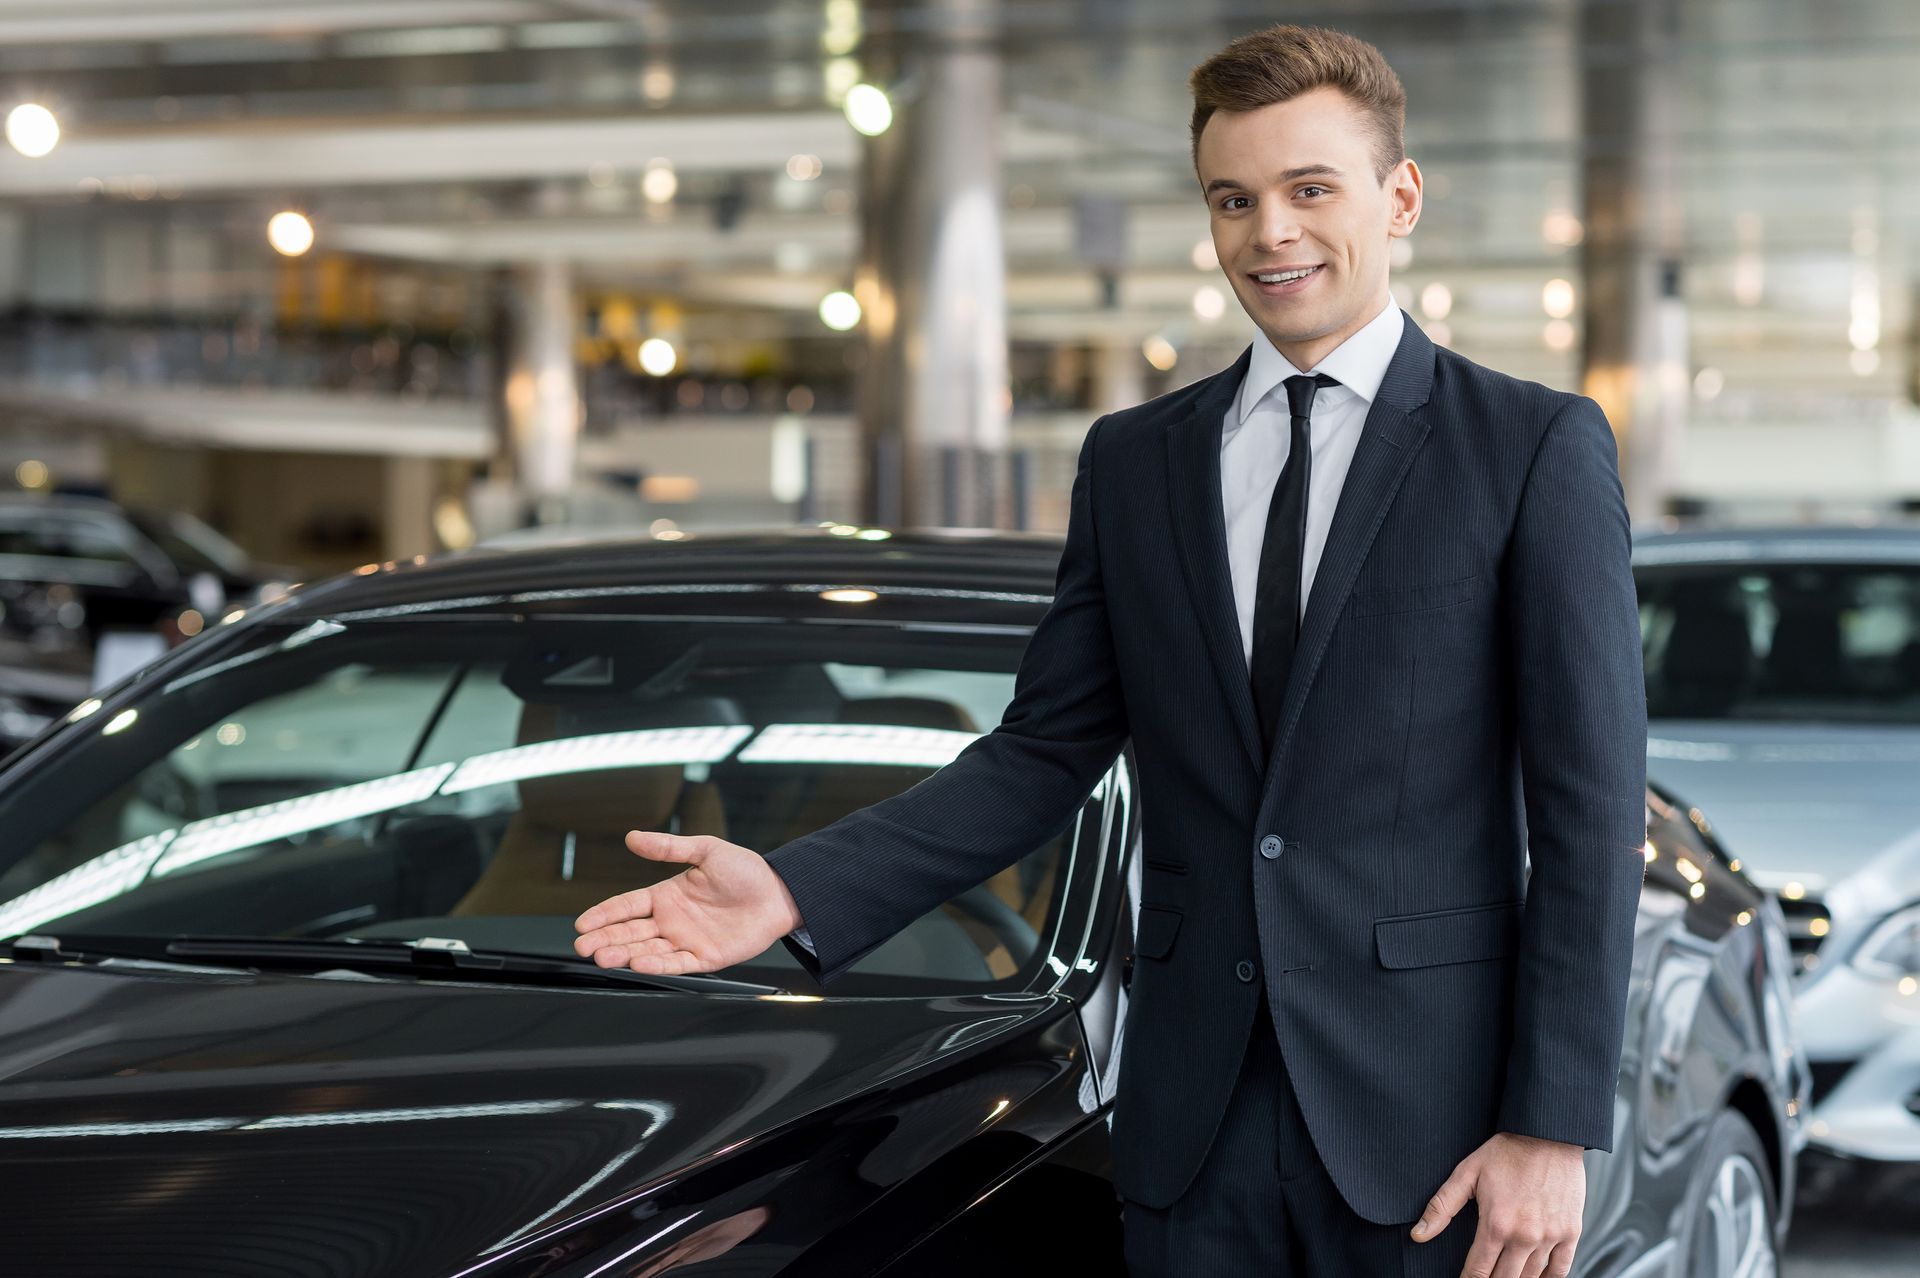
(726, 907)
(1529, 1194)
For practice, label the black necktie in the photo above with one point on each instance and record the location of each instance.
(1276, 596)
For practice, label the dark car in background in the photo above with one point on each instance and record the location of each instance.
(289, 985)
(90, 587)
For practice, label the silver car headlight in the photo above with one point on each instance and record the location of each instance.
(1892, 949)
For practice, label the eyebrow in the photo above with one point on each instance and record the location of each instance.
(1305, 170)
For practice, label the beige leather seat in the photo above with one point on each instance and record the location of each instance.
(855, 786)
(530, 872)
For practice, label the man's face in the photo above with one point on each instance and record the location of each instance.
(1289, 185)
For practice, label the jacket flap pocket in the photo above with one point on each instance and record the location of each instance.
(1414, 598)
(1448, 936)
(1157, 928)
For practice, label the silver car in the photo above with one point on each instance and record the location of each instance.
(1783, 697)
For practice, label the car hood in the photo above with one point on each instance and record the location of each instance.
(1822, 802)
(222, 1118)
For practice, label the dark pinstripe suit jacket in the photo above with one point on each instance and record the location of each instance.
(1466, 693)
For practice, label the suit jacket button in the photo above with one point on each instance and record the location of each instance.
(1271, 846)
(1244, 969)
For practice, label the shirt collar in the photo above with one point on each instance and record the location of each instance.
(1359, 363)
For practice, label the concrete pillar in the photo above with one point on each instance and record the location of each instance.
(1634, 361)
(1119, 375)
(541, 392)
(933, 400)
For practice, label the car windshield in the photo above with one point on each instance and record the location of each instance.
(1818, 642)
(474, 778)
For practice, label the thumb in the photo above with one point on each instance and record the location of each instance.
(1446, 1202)
(658, 845)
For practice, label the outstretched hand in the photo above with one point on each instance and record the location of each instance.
(726, 907)
(1529, 1194)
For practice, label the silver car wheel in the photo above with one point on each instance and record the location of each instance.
(1736, 1240)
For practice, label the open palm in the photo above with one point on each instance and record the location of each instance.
(726, 907)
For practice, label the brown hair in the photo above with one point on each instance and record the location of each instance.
(1281, 62)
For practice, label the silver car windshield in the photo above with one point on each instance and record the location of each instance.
(1805, 642)
(476, 779)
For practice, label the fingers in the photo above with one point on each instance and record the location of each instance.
(627, 934)
(615, 909)
(1445, 1203)
(624, 953)
(1559, 1261)
(1484, 1254)
(1519, 1260)
(657, 845)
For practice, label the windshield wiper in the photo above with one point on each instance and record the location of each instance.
(430, 955)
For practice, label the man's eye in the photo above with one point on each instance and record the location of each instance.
(1313, 188)
(1230, 199)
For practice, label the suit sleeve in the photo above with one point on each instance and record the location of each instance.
(1581, 719)
(860, 880)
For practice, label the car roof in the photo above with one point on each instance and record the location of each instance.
(968, 561)
(1884, 541)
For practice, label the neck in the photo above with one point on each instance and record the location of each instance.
(1303, 355)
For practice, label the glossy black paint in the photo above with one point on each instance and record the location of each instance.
(327, 1125)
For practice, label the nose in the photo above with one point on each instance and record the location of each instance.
(1276, 228)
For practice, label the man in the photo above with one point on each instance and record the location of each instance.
(1356, 1002)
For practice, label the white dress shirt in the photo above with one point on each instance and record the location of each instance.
(1256, 437)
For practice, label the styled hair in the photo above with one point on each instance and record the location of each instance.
(1281, 62)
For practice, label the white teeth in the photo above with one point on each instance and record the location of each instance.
(1283, 278)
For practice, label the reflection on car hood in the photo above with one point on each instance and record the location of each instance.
(1790, 798)
(226, 1119)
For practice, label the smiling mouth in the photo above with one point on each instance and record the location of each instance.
(1289, 286)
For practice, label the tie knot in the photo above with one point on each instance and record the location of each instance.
(1300, 388)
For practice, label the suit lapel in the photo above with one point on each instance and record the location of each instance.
(1395, 428)
(1200, 532)
(1392, 434)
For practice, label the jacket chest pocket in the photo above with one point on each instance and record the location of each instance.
(1440, 594)
(1457, 935)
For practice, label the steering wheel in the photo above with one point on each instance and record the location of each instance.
(982, 904)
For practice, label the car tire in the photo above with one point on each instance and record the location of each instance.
(1727, 1217)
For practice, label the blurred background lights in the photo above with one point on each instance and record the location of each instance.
(32, 130)
(657, 356)
(868, 109)
(1204, 258)
(1436, 300)
(1159, 352)
(1556, 298)
(839, 310)
(31, 473)
(1209, 303)
(290, 233)
(659, 183)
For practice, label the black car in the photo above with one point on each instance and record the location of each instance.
(291, 985)
(78, 572)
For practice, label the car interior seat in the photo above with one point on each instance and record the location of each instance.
(1708, 662)
(565, 849)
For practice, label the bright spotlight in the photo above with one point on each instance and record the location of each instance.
(657, 356)
(32, 130)
(840, 311)
(290, 233)
(659, 182)
(868, 109)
